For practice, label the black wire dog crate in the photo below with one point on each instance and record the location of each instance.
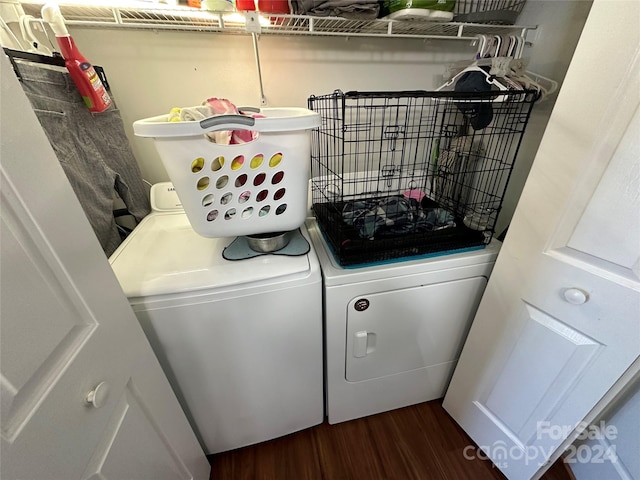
(398, 174)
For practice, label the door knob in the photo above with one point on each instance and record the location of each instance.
(98, 395)
(575, 296)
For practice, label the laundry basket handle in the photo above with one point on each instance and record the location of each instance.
(269, 120)
(226, 122)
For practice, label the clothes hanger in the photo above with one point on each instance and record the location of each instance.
(505, 72)
(514, 69)
(498, 46)
(544, 85)
(515, 50)
(519, 49)
(35, 52)
(27, 31)
(506, 46)
(14, 41)
(55, 59)
(490, 79)
(481, 41)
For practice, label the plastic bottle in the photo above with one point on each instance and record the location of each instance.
(82, 73)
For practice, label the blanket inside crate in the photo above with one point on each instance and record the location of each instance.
(395, 215)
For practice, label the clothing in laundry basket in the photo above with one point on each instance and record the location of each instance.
(209, 108)
(394, 215)
(92, 148)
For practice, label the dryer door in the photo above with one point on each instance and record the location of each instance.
(419, 327)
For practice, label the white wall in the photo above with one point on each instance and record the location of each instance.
(152, 72)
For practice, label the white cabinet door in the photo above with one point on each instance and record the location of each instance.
(83, 396)
(560, 319)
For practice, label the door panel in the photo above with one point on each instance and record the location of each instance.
(512, 400)
(434, 323)
(36, 349)
(606, 230)
(131, 438)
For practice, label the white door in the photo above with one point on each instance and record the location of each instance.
(83, 396)
(559, 322)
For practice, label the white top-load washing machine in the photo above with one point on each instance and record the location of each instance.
(394, 331)
(239, 340)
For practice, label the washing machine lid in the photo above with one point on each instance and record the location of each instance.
(164, 255)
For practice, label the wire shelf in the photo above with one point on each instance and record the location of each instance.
(163, 17)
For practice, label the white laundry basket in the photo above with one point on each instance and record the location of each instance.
(244, 189)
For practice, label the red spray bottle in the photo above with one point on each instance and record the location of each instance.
(82, 73)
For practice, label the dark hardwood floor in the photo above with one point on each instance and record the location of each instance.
(420, 442)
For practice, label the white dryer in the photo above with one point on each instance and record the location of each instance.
(394, 331)
(239, 340)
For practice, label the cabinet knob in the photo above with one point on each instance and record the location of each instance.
(98, 395)
(575, 296)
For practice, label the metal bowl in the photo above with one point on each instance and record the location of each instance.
(268, 242)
